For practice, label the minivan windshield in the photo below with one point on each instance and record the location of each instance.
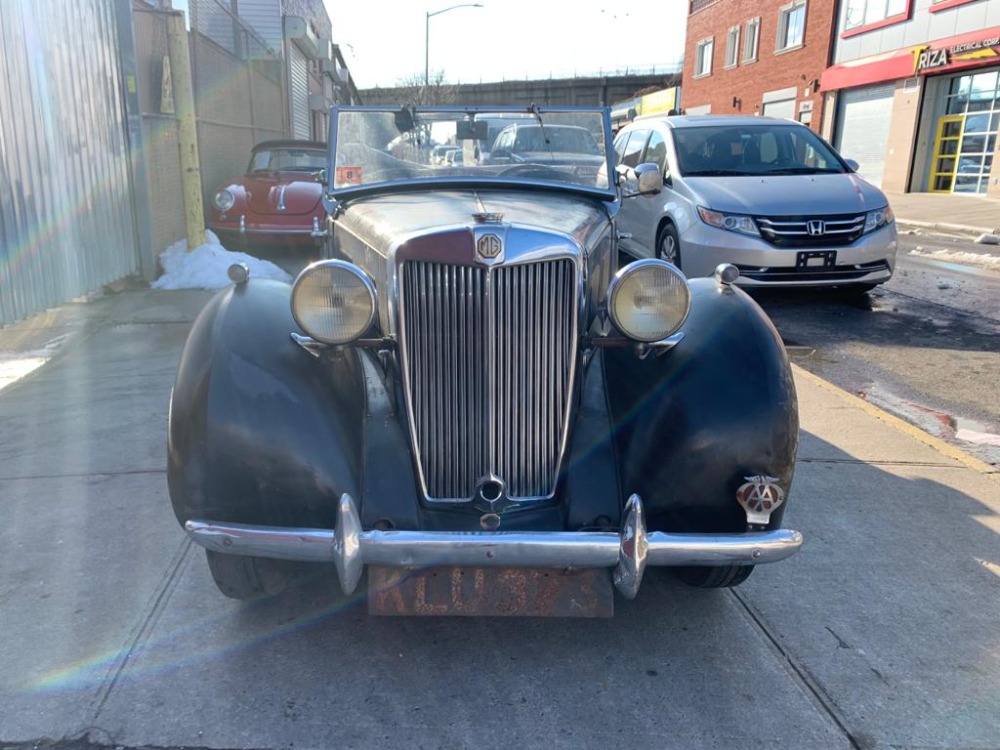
(753, 150)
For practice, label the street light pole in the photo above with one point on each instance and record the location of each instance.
(427, 36)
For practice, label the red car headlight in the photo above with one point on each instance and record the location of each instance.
(224, 200)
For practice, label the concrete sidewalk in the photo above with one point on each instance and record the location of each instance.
(950, 212)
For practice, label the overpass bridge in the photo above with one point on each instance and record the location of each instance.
(555, 92)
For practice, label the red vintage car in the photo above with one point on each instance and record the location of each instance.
(278, 202)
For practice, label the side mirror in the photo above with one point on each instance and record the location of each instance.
(650, 179)
(852, 165)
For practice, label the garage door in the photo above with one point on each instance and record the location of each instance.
(298, 73)
(862, 128)
(783, 108)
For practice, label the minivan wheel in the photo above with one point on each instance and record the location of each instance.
(668, 245)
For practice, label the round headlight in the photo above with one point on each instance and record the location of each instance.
(224, 200)
(333, 301)
(648, 300)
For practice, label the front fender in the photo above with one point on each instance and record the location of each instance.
(260, 431)
(692, 424)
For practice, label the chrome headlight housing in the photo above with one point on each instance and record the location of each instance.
(878, 219)
(731, 222)
(648, 300)
(224, 200)
(334, 301)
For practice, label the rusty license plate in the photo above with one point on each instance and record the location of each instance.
(490, 592)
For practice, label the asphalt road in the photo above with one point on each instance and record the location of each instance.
(925, 346)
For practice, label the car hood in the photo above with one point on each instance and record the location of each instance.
(282, 193)
(385, 221)
(786, 195)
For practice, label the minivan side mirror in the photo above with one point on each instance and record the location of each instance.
(851, 164)
(650, 179)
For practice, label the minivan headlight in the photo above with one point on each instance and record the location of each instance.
(732, 222)
(333, 301)
(878, 218)
(648, 300)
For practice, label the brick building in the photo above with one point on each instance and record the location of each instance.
(763, 57)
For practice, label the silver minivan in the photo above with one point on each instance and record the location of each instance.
(766, 195)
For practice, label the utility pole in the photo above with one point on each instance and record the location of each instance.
(187, 129)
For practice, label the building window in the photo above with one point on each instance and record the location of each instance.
(733, 47)
(864, 15)
(939, 5)
(751, 40)
(791, 26)
(703, 57)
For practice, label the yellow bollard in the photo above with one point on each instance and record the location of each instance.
(187, 129)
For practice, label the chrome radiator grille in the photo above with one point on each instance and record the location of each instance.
(488, 367)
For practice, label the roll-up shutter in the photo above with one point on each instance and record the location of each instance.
(863, 116)
(298, 71)
(783, 108)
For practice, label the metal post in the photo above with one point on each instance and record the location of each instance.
(427, 36)
(187, 129)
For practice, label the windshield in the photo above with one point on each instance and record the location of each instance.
(288, 159)
(754, 150)
(566, 147)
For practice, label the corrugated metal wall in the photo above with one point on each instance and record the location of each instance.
(66, 220)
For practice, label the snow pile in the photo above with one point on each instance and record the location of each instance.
(205, 267)
(957, 256)
(15, 365)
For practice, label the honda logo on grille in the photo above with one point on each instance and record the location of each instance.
(816, 227)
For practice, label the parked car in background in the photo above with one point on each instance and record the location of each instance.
(438, 153)
(534, 143)
(454, 158)
(278, 202)
(472, 402)
(767, 195)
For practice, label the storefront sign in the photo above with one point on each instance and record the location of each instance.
(977, 48)
(927, 59)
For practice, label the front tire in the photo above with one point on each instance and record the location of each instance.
(714, 577)
(668, 245)
(244, 577)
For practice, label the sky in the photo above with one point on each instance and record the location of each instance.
(383, 42)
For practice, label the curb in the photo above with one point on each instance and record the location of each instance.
(903, 426)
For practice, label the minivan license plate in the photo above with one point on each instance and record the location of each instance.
(816, 259)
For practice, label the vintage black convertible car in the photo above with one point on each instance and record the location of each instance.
(472, 401)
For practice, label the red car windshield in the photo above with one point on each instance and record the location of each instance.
(288, 159)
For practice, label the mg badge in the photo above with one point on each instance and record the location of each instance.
(816, 227)
(759, 497)
(489, 246)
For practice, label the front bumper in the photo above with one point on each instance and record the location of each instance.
(629, 552)
(246, 232)
(870, 259)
